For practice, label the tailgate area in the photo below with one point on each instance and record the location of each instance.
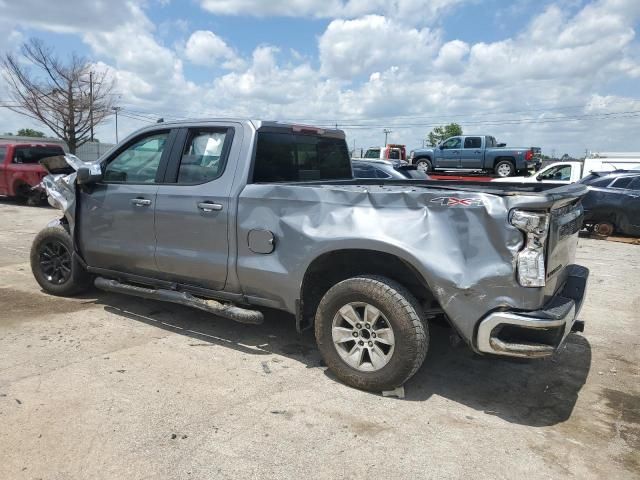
(566, 221)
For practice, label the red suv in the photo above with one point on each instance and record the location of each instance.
(20, 169)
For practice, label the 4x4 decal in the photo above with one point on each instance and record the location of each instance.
(458, 202)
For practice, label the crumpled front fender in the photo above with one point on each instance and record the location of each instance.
(60, 184)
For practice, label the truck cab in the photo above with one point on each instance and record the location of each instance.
(558, 173)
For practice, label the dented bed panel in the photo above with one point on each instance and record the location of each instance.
(459, 241)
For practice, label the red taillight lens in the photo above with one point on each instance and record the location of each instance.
(528, 156)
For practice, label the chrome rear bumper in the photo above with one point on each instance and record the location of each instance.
(535, 333)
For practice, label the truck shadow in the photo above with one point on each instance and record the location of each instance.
(534, 393)
(537, 393)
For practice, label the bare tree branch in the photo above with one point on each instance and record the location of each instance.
(57, 93)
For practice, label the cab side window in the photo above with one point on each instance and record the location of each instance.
(203, 158)
(139, 162)
(452, 143)
(472, 142)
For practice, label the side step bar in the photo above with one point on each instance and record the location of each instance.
(237, 314)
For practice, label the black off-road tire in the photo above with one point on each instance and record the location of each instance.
(427, 164)
(58, 239)
(402, 311)
(503, 163)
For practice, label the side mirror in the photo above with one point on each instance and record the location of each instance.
(440, 147)
(89, 174)
(539, 178)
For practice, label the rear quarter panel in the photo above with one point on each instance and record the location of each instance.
(465, 254)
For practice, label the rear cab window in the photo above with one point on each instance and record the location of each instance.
(300, 157)
(3, 153)
(33, 154)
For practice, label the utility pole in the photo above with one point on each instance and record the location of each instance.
(91, 102)
(386, 133)
(116, 109)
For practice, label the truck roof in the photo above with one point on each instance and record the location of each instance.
(257, 124)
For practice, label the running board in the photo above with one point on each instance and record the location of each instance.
(237, 314)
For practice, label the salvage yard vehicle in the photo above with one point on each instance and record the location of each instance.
(389, 152)
(570, 172)
(386, 169)
(613, 202)
(20, 170)
(476, 152)
(231, 216)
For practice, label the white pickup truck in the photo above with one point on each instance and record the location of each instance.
(571, 172)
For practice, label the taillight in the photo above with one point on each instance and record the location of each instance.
(528, 156)
(530, 261)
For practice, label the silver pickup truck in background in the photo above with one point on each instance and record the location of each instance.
(231, 216)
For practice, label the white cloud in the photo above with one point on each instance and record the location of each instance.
(352, 47)
(451, 56)
(413, 11)
(375, 68)
(68, 16)
(206, 48)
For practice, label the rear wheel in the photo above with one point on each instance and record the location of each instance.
(424, 165)
(54, 266)
(371, 333)
(504, 168)
(604, 228)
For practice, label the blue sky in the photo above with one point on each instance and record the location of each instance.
(560, 74)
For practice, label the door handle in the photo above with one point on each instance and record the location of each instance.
(478, 151)
(141, 202)
(209, 206)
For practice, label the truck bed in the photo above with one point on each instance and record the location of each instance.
(492, 188)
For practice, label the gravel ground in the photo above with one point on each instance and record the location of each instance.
(106, 386)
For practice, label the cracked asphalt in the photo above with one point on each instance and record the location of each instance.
(109, 387)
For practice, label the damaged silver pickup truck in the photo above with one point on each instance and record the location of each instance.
(231, 216)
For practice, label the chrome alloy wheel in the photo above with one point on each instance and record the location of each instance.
(363, 336)
(422, 167)
(504, 170)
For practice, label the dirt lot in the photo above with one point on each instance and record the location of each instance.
(106, 386)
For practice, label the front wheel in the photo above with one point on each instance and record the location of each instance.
(371, 333)
(504, 168)
(54, 266)
(424, 165)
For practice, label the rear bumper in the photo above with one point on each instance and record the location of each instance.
(534, 165)
(536, 333)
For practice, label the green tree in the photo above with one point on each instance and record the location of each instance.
(30, 132)
(438, 134)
